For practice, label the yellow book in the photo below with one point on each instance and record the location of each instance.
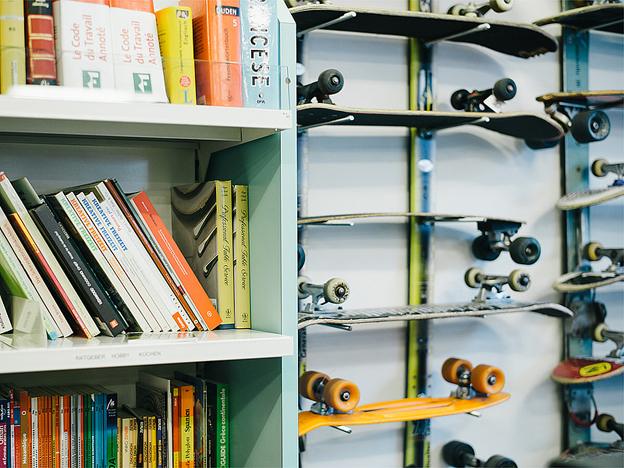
(175, 35)
(224, 246)
(242, 298)
(153, 442)
(12, 48)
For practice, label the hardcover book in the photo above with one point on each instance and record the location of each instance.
(41, 54)
(202, 228)
(240, 234)
(12, 51)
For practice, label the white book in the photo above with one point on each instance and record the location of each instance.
(34, 430)
(109, 253)
(102, 262)
(55, 322)
(13, 200)
(120, 251)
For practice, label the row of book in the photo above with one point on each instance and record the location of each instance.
(92, 260)
(212, 52)
(180, 422)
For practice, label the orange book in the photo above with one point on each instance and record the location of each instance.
(193, 291)
(175, 425)
(217, 44)
(56, 430)
(187, 432)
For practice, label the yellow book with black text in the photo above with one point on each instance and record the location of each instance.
(242, 297)
(12, 45)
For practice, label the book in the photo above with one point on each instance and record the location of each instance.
(200, 419)
(84, 53)
(218, 400)
(175, 424)
(4, 432)
(240, 234)
(147, 428)
(125, 439)
(108, 426)
(260, 54)
(12, 52)
(136, 52)
(216, 38)
(14, 281)
(202, 228)
(25, 423)
(41, 53)
(187, 423)
(156, 400)
(193, 290)
(175, 35)
(91, 291)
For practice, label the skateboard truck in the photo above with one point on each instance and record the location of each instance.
(475, 10)
(487, 100)
(594, 251)
(601, 333)
(329, 82)
(496, 237)
(601, 167)
(331, 396)
(607, 423)
(585, 125)
(479, 381)
(461, 454)
(490, 285)
(334, 291)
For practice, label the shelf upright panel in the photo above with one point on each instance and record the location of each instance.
(575, 165)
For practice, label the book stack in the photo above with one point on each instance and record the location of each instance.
(174, 422)
(95, 261)
(211, 52)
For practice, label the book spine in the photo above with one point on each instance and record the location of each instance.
(124, 457)
(66, 437)
(175, 425)
(107, 317)
(99, 432)
(55, 323)
(260, 54)
(41, 63)
(89, 426)
(25, 419)
(4, 432)
(175, 35)
(224, 246)
(134, 450)
(80, 430)
(159, 442)
(153, 441)
(242, 291)
(187, 430)
(190, 285)
(56, 430)
(223, 426)
(111, 430)
(34, 438)
(13, 56)
(16, 430)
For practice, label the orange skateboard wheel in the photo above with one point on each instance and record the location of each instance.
(309, 382)
(487, 379)
(451, 367)
(341, 395)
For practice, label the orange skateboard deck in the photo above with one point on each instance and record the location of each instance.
(408, 409)
(585, 370)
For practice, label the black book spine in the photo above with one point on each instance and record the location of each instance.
(88, 287)
(114, 296)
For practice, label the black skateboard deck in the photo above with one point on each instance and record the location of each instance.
(516, 124)
(520, 40)
(602, 99)
(609, 18)
(420, 217)
(428, 312)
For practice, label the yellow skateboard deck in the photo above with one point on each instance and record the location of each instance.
(408, 409)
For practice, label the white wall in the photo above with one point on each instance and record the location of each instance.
(476, 171)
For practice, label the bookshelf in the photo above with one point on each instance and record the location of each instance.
(152, 147)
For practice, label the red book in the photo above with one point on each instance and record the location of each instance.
(25, 424)
(39, 27)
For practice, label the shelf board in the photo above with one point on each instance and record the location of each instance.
(23, 354)
(138, 120)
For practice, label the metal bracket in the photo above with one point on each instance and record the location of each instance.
(602, 25)
(348, 118)
(472, 122)
(345, 429)
(347, 16)
(339, 326)
(479, 28)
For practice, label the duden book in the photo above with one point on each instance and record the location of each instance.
(202, 228)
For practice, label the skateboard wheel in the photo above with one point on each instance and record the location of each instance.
(519, 280)
(457, 10)
(301, 281)
(336, 290)
(597, 167)
(459, 99)
(604, 422)
(598, 333)
(471, 277)
(500, 6)
(452, 367)
(498, 461)
(588, 126)
(504, 89)
(591, 251)
(482, 250)
(310, 383)
(330, 81)
(525, 250)
(541, 144)
(341, 395)
(300, 257)
(487, 379)
(454, 453)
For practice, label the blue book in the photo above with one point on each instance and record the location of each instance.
(260, 54)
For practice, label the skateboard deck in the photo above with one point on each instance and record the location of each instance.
(585, 370)
(420, 217)
(576, 200)
(598, 17)
(408, 409)
(577, 281)
(428, 312)
(607, 98)
(520, 40)
(515, 124)
(585, 455)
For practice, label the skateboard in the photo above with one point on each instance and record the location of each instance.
(336, 400)
(600, 168)
(585, 280)
(496, 233)
(580, 112)
(461, 454)
(488, 301)
(487, 100)
(520, 40)
(606, 17)
(334, 291)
